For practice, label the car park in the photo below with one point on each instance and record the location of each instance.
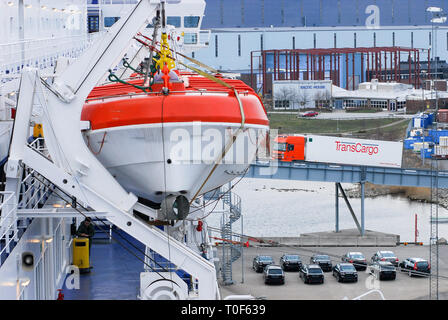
(260, 262)
(344, 272)
(311, 273)
(273, 274)
(290, 262)
(385, 256)
(357, 259)
(383, 270)
(416, 266)
(323, 261)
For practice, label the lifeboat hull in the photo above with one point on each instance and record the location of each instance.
(162, 145)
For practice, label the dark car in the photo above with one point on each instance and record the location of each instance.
(311, 273)
(323, 261)
(274, 274)
(383, 270)
(385, 256)
(357, 259)
(345, 272)
(260, 262)
(416, 266)
(290, 262)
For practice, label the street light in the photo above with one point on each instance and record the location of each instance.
(437, 18)
(434, 9)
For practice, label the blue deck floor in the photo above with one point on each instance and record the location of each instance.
(115, 274)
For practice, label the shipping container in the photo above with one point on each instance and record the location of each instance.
(418, 146)
(437, 134)
(443, 141)
(353, 151)
(409, 144)
(416, 132)
(441, 150)
(443, 115)
(427, 153)
(417, 122)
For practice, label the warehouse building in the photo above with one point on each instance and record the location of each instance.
(258, 25)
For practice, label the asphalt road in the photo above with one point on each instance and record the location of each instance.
(403, 288)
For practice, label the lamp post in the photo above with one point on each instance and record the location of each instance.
(437, 18)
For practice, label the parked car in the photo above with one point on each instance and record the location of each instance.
(309, 114)
(260, 262)
(274, 274)
(323, 261)
(311, 273)
(385, 256)
(345, 272)
(415, 266)
(357, 259)
(290, 262)
(383, 270)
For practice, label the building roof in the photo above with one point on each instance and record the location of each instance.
(313, 13)
(386, 91)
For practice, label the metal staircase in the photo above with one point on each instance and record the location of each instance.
(231, 250)
(33, 192)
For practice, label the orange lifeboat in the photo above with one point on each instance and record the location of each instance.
(187, 141)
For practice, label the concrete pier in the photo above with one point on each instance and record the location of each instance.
(343, 238)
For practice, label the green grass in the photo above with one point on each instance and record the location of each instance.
(289, 123)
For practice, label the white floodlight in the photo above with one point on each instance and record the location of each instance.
(439, 20)
(434, 9)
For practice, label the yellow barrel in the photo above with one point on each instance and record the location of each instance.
(81, 257)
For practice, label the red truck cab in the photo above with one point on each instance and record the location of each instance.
(289, 148)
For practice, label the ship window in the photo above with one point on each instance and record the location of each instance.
(191, 22)
(109, 21)
(173, 21)
(190, 38)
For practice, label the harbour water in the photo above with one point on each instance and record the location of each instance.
(283, 208)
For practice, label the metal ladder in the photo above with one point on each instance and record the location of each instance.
(230, 250)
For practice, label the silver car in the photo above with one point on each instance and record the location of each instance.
(385, 256)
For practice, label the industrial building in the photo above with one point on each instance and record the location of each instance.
(385, 96)
(251, 27)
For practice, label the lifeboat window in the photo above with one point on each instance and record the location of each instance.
(173, 21)
(191, 22)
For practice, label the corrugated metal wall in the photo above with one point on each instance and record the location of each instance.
(314, 13)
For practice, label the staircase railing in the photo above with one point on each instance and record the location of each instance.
(231, 250)
(8, 223)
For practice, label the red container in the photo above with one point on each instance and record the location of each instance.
(443, 115)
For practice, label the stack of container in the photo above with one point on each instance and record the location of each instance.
(441, 150)
(409, 142)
